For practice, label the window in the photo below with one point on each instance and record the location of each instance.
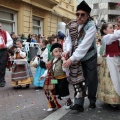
(37, 25)
(96, 6)
(8, 20)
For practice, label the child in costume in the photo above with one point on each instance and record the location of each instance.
(43, 55)
(21, 72)
(56, 80)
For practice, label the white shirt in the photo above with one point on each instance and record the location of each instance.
(43, 54)
(82, 48)
(9, 40)
(109, 38)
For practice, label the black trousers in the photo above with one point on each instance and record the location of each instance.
(91, 78)
(3, 63)
(62, 88)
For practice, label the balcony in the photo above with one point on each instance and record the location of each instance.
(66, 5)
(43, 4)
(113, 12)
(112, 19)
(113, 6)
(114, 1)
(100, 12)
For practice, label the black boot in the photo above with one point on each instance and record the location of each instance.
(92, 105)
(77, 107)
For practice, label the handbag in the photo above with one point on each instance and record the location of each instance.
(35, 62)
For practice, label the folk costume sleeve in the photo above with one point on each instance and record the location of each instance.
(109, 38)
(45, 73)
(22, 54)
(68, 43)
(9, 40)
(45, 55)
(39, 51)
(87, 41)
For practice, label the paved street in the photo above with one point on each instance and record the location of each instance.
(30, 104)
(22, 104)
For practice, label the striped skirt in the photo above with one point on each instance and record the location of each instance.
(21, 74)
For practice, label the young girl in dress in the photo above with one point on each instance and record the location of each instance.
(56, 80)
(52, 39)
(109, 73)
(43, 55)
(21, 72)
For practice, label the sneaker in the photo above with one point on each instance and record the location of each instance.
(51, 109)
(92, 105)
(77, 107)
(68, 105)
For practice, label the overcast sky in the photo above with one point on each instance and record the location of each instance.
(78, 1)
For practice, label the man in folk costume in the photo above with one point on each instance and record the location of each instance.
(82, 46)
(6, 42)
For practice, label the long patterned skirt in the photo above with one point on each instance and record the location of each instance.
(106, 91)
(21, 75)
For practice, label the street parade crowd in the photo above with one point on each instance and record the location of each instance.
(91, 65)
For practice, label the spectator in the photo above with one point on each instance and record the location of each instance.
(6, 42)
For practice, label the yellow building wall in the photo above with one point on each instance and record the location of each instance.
(63, 12)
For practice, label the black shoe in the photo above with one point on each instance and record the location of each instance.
(92, 105)
(77, 107)
(2, 84)
(115, 106)
(28, 85)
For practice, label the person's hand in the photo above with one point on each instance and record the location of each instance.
(66, 54)
(67, 63)
(63, 58)
(42, 77)
(18, 49)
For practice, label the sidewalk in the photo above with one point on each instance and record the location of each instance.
(102, 112)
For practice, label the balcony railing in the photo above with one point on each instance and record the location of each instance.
(65, 4)
(114, 12)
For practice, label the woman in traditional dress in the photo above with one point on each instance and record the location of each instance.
(43, 55)
(21, 72)
(109, 72)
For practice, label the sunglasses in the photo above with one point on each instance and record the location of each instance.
(80, 14)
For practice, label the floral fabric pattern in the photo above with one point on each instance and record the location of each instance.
(106, 91)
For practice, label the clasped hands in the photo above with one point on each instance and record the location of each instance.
(66, 62)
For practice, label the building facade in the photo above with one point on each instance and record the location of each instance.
(105, 10)
(36, 16)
